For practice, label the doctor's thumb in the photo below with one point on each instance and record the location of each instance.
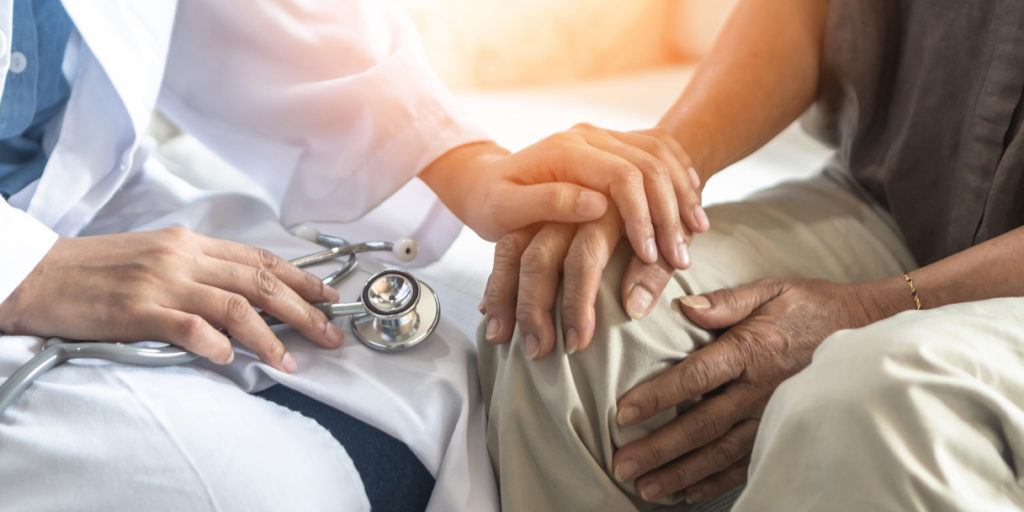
(555, 202)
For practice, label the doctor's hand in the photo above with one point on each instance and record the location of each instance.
(647, 174)
(773, 327)
(170, 285)
(523, 286)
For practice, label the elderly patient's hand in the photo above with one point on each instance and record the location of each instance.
(524, 283)
(170, 285)
(774, 327)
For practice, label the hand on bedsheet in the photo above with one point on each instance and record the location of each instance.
(524, 282)
(647, 174)
(169, 285)
(773, 328)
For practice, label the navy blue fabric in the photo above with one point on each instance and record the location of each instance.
(394, 479)
(34, 90)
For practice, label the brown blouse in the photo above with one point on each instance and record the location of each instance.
(922, 100)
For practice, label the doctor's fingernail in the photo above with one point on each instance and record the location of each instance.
(572, 340)
(651, 492)
(694, 177)
(639, 301)
(701, 217)
(330, 294)
(625, 470)
(531, 346)
(333, 334)
(695, 301)
(627, 414)
(590, 204)
(650, 250)
(289, 363)
(493, 328)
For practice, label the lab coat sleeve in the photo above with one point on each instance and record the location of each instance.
(330, 106)
(26, 242)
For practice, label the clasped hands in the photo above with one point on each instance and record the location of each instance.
(769, 329)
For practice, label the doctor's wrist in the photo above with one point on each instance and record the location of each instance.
(454, 174)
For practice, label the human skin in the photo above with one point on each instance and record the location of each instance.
(194, 291)
(767, 55)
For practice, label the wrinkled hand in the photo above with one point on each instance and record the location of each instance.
(523, 284)
(170, 285)
(773, 328)
(565, 178)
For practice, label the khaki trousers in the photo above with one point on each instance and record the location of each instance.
(854, 431)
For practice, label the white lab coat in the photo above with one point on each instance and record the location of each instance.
(328, 107)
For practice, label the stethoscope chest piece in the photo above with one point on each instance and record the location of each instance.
(401, 312)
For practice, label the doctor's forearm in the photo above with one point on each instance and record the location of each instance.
(760, 76)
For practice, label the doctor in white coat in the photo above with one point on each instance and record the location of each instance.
(328, 108)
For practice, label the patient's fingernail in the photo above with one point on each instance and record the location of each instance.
(591, 204)
(695, 301)
(231, 357)
(531, 346)
(651, 491)
(625, 470)
(627, 414)
(493, 326)
(694, 177)
(333, 334)
(330, 294)
(572, 340)
(650, 250)
(702, 218)
(289, 363)
(639, 301)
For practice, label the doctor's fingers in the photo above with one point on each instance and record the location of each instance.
(234, 313)
(657, 166)
(515, 206)
(264, 290)
(503, 285)
(539, 272)
(186, 330)
(577, 160)
(307, 285)
(685, 180)
(588, 255)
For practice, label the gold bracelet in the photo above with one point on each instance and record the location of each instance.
(913, 290)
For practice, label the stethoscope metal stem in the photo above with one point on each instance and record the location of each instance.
(336, 252)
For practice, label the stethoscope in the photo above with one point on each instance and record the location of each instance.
(394, 312)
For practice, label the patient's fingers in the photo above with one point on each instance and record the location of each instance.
(264, 290)
(642, 284)
(538, 286)
(503, 285)
(585, 262)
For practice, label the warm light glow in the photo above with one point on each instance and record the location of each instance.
(500, 43)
